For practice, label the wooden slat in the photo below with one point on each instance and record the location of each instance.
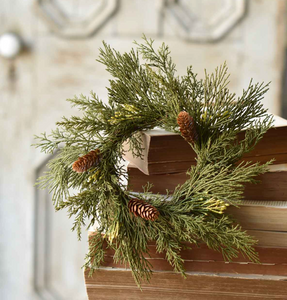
(119, 284)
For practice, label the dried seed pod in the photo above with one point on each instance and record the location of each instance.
(87, 161)
(142, 209)
(187, 127)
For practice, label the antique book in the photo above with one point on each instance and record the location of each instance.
(272, 186)
(208, 276)
(117, 283)
(200, 258)
(166, 152)
(261, 215)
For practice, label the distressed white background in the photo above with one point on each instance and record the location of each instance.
(34, 86)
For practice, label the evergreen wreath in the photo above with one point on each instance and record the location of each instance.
(146, 92)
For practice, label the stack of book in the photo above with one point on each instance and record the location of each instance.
(167, 156)
(263, 213)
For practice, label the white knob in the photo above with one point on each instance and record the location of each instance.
(10, 45)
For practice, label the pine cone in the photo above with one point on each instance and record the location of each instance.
(142, 209)
(187, 127)
(87, 161)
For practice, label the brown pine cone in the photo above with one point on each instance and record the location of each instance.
(187, 127)
(87, 161)
(142, 209)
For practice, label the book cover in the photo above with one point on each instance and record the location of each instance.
(272, 186)
(167, 152)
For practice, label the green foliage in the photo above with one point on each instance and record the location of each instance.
(146, 92)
